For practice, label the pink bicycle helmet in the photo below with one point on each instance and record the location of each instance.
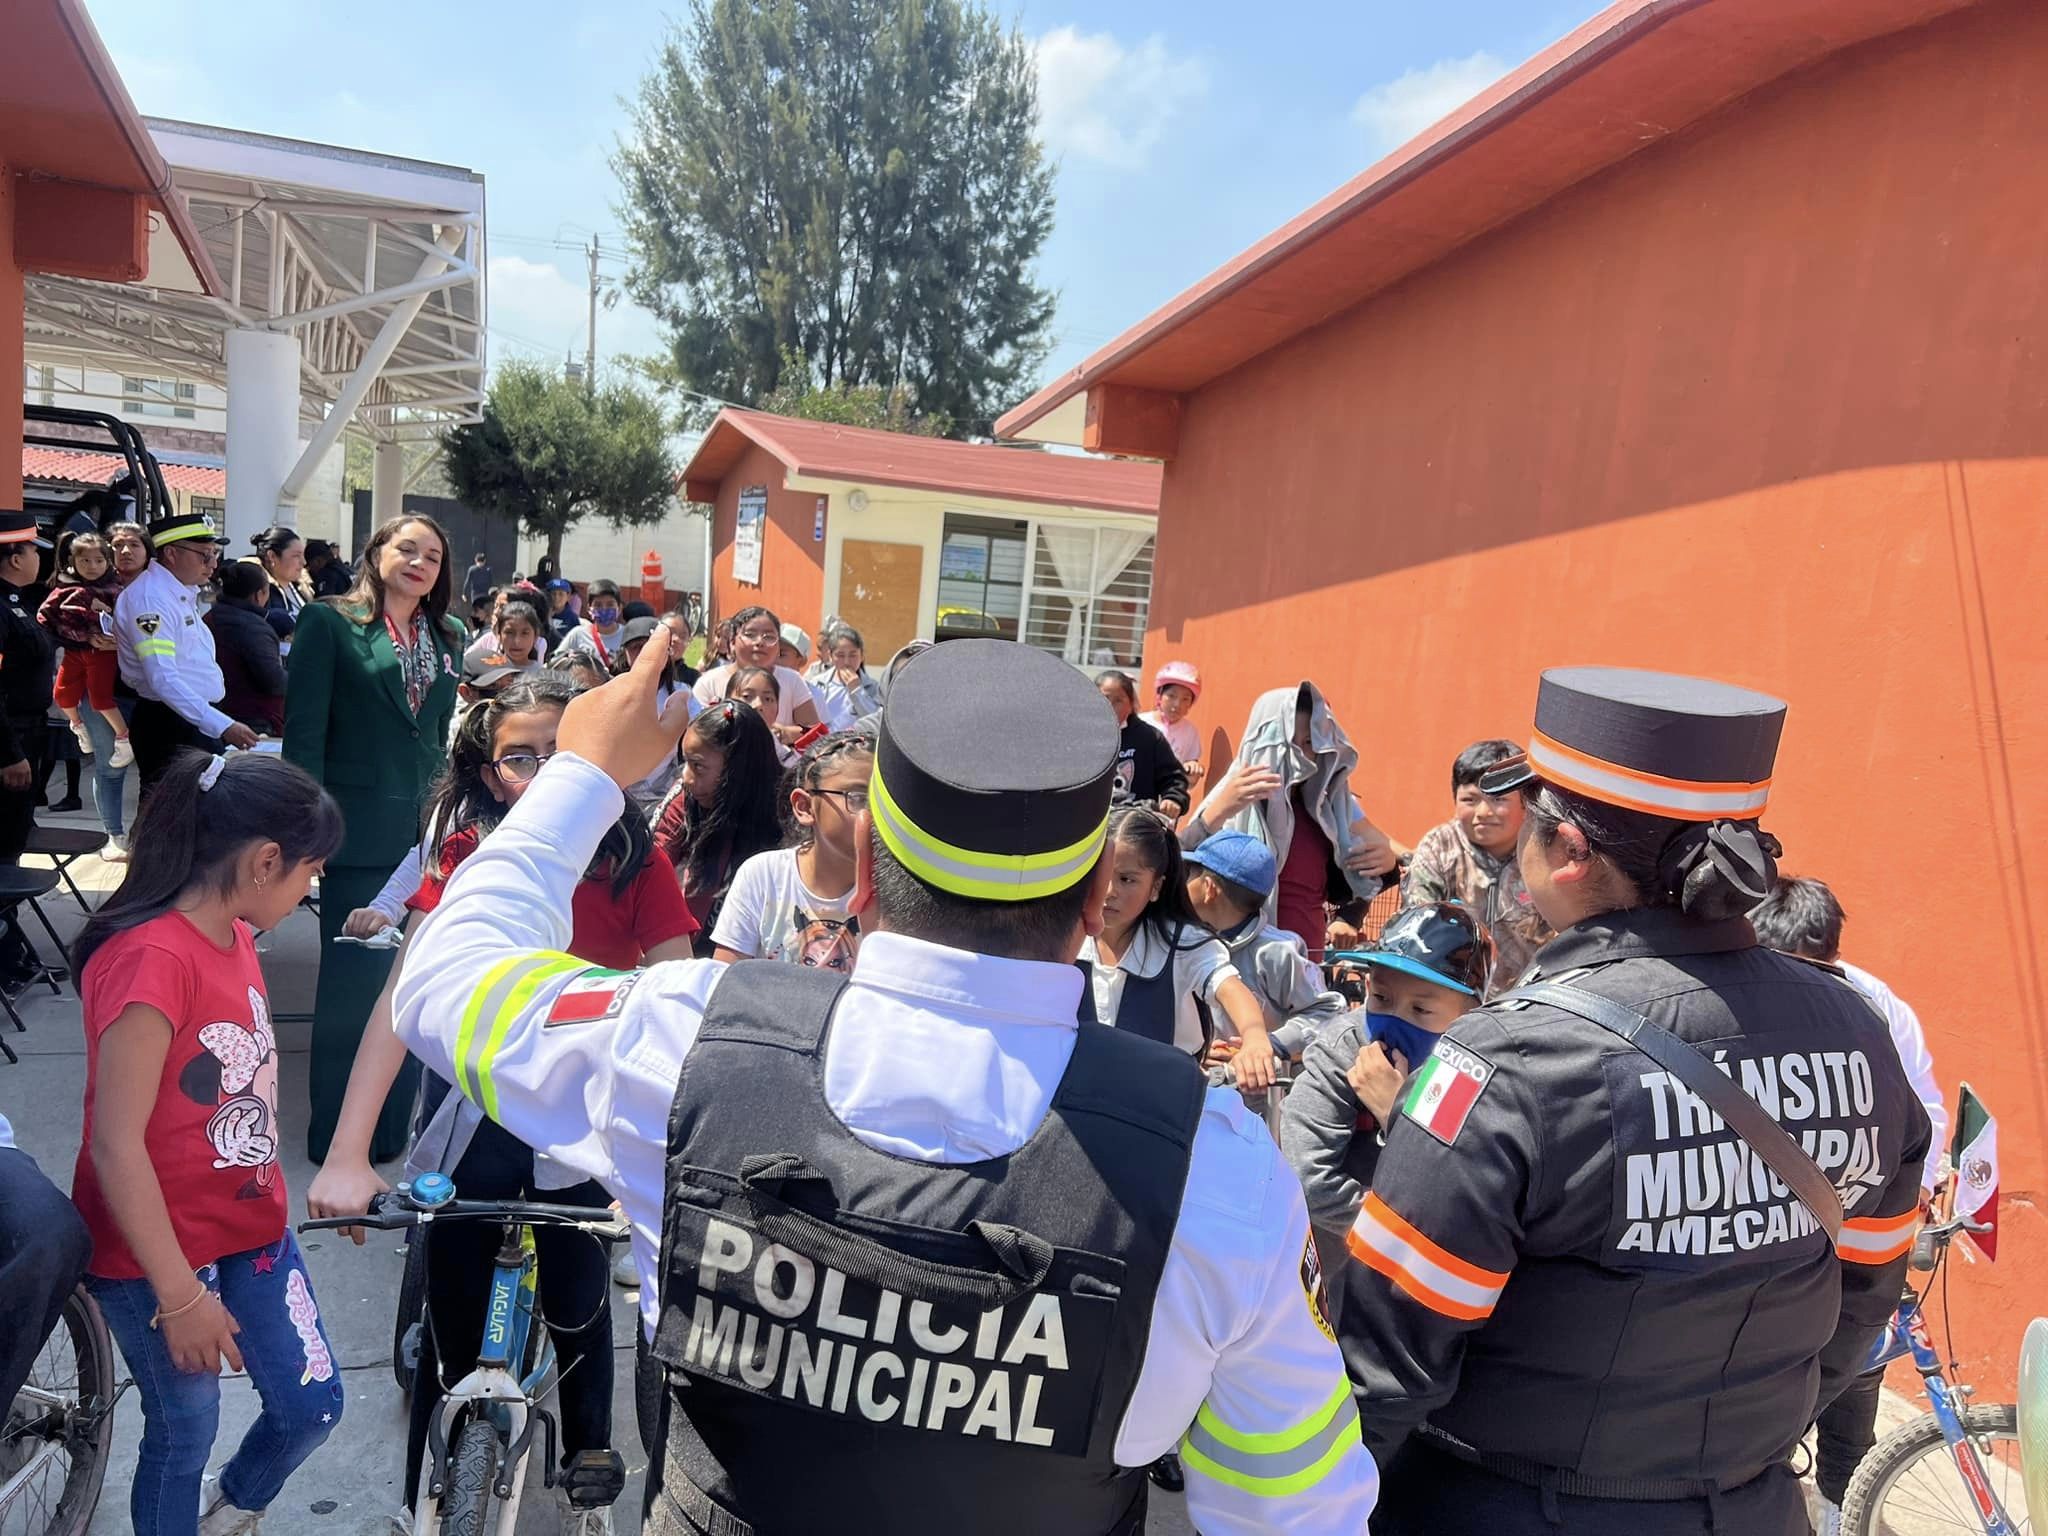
(1182, 672)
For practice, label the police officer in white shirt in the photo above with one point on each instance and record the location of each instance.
(918, 1252)
(166, 653)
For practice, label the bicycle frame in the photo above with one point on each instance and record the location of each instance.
(1907, 1334)
(491, 1388)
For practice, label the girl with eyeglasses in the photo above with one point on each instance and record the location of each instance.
(757, 642)
(795, 904)
(628, 912)
(723, 808)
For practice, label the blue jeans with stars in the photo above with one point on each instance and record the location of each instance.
(288, 1355)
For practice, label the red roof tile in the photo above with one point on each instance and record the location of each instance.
(74, 467)
(833, 452)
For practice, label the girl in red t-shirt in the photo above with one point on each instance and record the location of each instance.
(181, 1095)
(725, 808)
(628, 911)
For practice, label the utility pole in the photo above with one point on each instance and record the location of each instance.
(590, 352)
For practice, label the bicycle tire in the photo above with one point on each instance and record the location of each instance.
(1897, 1453)
(412, 1311)
(90, 1436)
(472, 1466)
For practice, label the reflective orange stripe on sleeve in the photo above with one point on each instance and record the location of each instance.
(1431, 1274)
(1877, 1239)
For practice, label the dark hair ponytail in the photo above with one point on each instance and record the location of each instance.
(1143, 832)
(462, 801)
(745, 817)
(187, 836)
(1709, 870)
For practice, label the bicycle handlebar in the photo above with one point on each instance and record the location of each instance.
(389, 1213)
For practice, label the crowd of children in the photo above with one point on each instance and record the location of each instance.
(1218, 913)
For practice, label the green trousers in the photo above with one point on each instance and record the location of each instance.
(351, 977)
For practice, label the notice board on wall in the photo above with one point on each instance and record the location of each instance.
(747, 532)
(878, 592)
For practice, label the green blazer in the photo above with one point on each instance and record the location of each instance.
(346, 722)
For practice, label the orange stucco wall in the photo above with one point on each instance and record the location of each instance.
(1768, 402)
(792, 562)
(10, 349)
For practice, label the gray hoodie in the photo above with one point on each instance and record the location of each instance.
(1323, 775)
(1287, 983)
(1321, 1137)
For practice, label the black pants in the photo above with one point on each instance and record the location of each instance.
(43, 1249)
(18, 806)
(575, 1297)
(1846, 1431)
(156, 732)
(1426, 1492)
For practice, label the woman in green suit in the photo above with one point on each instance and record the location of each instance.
(368, 696)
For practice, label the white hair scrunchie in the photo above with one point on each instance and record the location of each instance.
(210, 774)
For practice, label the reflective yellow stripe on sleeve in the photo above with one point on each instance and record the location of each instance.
(156, 648)
(1273, 1466)
(506, 989)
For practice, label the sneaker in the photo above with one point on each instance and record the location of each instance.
(114, 850)
(84, 741)
(1830, 1520)
(68, 803)
(223, 1519)
(123, 753)
(624, 1271)
(579, 1522)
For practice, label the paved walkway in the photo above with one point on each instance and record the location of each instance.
(351, 1487)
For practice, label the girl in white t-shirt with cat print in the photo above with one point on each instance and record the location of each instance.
(795, 903)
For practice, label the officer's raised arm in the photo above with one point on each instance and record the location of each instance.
(488, 998)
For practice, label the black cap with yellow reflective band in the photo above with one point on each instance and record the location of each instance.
(1687, 748)
(184, 527)
(993, 771)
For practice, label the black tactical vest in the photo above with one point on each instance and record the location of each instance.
(857, 1342)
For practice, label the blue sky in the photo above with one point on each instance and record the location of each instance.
(1184, 131)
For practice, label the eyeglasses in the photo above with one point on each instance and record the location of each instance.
(760, 636)
(519, 767)
(856, 799)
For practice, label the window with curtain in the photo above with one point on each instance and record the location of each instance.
(1091, 589)
(981, 576)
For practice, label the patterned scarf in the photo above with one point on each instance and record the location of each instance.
(419, 659)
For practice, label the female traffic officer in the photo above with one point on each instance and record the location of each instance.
(1585, 1301)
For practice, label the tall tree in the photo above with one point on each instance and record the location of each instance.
(856, 182)
(550, 453)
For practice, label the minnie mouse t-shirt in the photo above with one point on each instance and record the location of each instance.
(212, 1136)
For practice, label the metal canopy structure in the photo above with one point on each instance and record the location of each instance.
(375, 264)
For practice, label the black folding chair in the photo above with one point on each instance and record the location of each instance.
(19, 886)
(64, 847)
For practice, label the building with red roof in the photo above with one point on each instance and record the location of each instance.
(1712, 339)
(909, 537)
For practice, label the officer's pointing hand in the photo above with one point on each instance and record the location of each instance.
(617, 725)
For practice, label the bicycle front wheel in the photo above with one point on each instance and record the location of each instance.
(472, 1466)
(58, 1433)
(1910, 1484)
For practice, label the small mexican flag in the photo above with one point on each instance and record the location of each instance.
(1444, 1089)
(1974, 1151)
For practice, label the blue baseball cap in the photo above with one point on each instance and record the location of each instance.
(561, 584)
(1239, 858)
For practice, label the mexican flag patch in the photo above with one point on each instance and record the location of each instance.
(1974, 1151)
(593, 996)
(1444, 1089)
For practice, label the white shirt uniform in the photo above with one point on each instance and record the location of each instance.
(919, 1037)
(166, 654)
(1910, 1041)
(1200, 965)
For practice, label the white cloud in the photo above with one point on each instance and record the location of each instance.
(538, 311)
(1100, 100)
(1399, 109)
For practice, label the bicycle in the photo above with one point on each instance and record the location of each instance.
(58, 1434)
(479, 1441)
(1938, 1471)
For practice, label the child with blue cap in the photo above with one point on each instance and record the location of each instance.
(1427, 970)
(1229, 877)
